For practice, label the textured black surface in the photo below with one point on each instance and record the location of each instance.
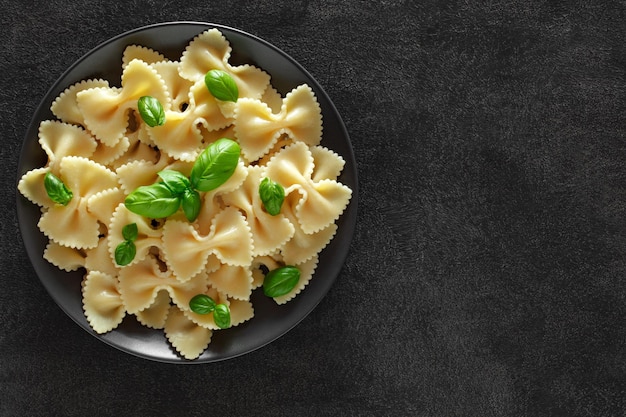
(486, 275)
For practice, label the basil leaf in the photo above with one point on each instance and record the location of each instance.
(56, 189)
(215, 165)
(130, 232)
(151, 111)
(175, 181)
(221, 85)
(154, 201)
(201, 304)
(191, 204)
(272, 195)
(280, 281)
(221, 316)
(125, 253)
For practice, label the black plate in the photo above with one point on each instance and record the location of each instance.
(270, 321)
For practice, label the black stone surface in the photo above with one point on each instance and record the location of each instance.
(486, 274)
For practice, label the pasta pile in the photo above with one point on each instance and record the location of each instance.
(102, 150)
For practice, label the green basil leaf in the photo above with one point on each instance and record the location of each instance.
(191, 204)
(272, 195)
(221, 316)
(221, 85)
(154, 201)
(280, 281)
(56, 189)
(175, 181)
(125, 253)
(151, 111)
(201, 304)
(215, 165)
(130, 232)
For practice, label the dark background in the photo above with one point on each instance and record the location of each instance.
(487, 273)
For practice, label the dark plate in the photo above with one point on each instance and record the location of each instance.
(271, 321)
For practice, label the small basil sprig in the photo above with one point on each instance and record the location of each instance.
(191, 204)
(221, 316)
(125, 252)
(163, 199)
(174, 180)
(221, 85)
(215, 165)
(56, 189)
(203, 304)
(280, 281)
(151, 111)
(154, 201)
(272, 195)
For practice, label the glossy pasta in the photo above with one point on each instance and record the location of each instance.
(102, 150)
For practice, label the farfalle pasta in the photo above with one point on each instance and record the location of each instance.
(100, 150)
(257, 128)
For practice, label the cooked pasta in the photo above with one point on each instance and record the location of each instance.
(101, 150)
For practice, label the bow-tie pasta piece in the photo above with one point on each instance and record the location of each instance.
(210, 136)
(210, 50)
(59, 139)
(73, 225)
(258, 129)
(141, 282)
(320, 203)
(133, 150)
(177, 87)
(85, 177)
(148, 237)
(183, 134)
(215, 114)
(102, 302)
(272, 98)
(107, 155)
(188, 338)
(234, 281)
(187, 252)
(65, 107)
(155, 315)
(71, 259)
(106, 109)
(184, 167)
(101, 205)
(31, 186)
(303, 246)
(212, 201)
(180, 137)
(141, 172)
(63, 257)
(240, 311)
(282, 142)
(98, 259)
(327, 165)
(142, 53)
(268, 232)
